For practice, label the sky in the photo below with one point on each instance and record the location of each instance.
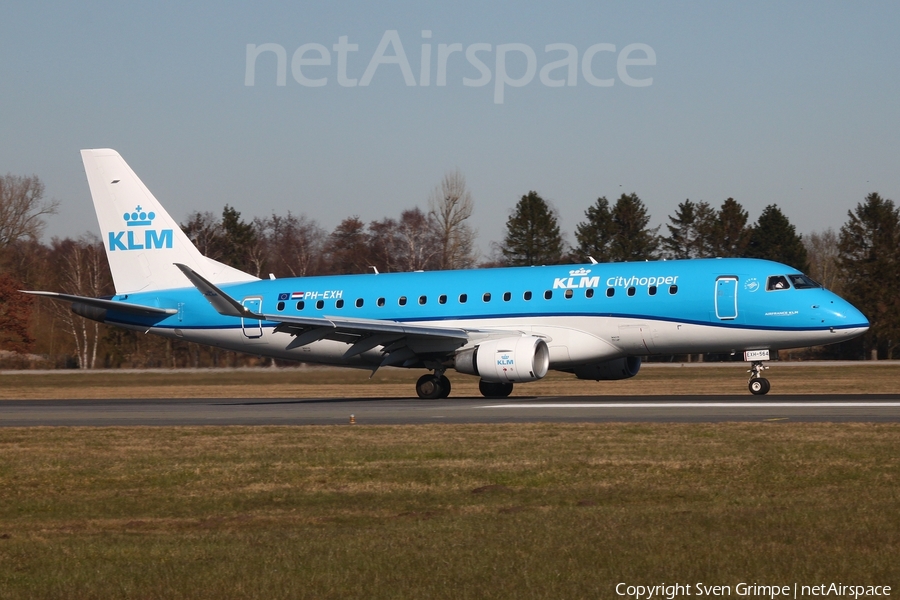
(794, 104)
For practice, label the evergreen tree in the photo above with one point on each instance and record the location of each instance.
(595, 234)
(632, 239)
(870, 270)
(773, 237)
(685, 238)
(729, 235)
(347, 248)
(532, 234)
(240, 242)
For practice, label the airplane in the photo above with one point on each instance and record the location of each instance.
(502, 325)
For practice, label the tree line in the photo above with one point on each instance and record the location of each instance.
(861, 261)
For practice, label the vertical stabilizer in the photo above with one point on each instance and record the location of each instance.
(143, 242)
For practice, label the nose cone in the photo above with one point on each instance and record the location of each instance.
(846, 319)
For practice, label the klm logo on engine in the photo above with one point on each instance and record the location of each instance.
(136, 239)
(577, 279)
(505, 361)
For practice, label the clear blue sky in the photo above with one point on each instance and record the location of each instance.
(790, 103)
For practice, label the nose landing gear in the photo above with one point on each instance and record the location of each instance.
(758, 384)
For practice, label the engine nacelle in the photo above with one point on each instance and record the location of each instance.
(512, 359)
(619, 368)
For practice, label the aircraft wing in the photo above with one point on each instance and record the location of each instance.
(403, 343)
(123, 307)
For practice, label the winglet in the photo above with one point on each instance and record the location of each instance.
(222, 302)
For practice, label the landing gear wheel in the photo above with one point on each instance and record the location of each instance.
(759, 386)
(494, 390)
(428, 387)
(445, 386)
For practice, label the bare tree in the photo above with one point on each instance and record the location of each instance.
(22, 208)
(823, 253)
(450, 205)
(83, 270)
(292, 243)
(418, 244)
(205, 232)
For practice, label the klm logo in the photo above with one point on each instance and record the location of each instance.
(135, 239)
(505, 361)
(577, 278)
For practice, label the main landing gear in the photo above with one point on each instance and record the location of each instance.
(490, 389)
(432, 387)
(758, 384)
(436, 386)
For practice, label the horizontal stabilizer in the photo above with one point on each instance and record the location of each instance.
(122, 307)
(222, 302)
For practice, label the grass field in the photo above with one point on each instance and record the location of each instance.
(443, 511)
(786, 378)
(439, 511)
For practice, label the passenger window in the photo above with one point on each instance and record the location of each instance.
(280, 306)
(631, 291)
(402, 301)
(777, 282)
(380, 302)
(300, 305)
(442, 299)
(651, 290)
(320, 304)
(339, 304)
(610, 292)
(548, 294)
(673, 289)
(802, 282)
(423, 299)
(507, 296)
(569, 294)
(589, 293)
(359, 303)
(526, 296)
(463, 298)
(486, 297)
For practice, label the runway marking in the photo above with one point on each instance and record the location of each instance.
(704, 405)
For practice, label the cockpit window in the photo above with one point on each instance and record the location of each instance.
(802, 282)
(777, 282)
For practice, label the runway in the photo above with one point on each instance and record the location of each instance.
(372, 411)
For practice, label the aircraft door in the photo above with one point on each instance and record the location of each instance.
(726, 297)
(252, 327)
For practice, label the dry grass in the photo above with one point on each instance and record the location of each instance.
(399, 383)
(562, 511)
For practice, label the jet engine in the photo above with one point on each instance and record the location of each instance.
(619, 368)
(507, 360)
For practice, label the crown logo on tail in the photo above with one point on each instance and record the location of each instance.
(139, 218)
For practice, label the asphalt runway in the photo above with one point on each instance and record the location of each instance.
(370, 411)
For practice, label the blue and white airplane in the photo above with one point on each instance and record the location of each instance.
(505, 326)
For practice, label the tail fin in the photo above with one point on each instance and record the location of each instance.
(142, 240)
